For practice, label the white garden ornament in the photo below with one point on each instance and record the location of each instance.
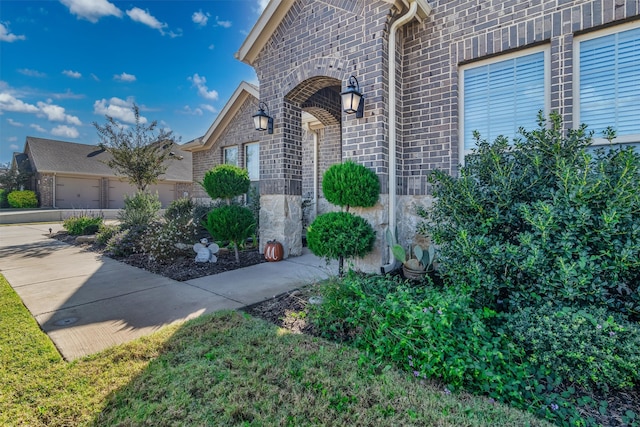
(205, 252)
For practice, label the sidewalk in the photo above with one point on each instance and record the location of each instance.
(86, 302)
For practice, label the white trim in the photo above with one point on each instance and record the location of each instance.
(576, 78)
(546, 49)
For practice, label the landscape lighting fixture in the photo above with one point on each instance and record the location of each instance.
(263, 121)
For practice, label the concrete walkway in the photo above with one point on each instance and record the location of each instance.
(86, 302)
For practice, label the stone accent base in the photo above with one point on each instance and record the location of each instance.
(281, 220)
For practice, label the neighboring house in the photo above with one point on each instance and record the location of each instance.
(71, 175)
(431, 73)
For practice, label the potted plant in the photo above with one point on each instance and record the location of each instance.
(418, 263)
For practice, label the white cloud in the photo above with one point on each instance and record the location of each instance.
(225, 24)
(67, 95)
(56, 113)
(65, 131)
(124, 77)
(262, 5)
(209, 108)
(188, 110)
(144, 17)
(203, 90)
(31, 73)
(14, 147)
(38, 128)
(92, 10)
(14, 123)
(117, 108)
(6, 36)
(212, 46)
(9, 102)
(72, 74)
(12, 139)
(200, 18)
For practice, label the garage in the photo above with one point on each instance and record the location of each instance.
(77, 193)
(119, 189)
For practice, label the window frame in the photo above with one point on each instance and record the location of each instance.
(246, 159)
(597, 140)
(224, 155)
(545, 49)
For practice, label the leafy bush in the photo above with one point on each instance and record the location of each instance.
(350, 184)
(106, 232)
(140, 210)
(179, 208)
(226, 182)
(338, 235)
(586, 346)
(4, 203)
(543, 219)
(233, 223)
(82, 224)
(160, 239)
(126, 242)
(22, 199)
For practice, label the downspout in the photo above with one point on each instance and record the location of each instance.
(315, 172)
(413, 9)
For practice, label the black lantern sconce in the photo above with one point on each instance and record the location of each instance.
(353, 99)
(263, 121)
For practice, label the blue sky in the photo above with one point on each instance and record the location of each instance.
(65, 64)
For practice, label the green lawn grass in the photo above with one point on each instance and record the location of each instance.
(221, 369)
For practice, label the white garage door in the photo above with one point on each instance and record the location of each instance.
(77, 193)
(118, 190)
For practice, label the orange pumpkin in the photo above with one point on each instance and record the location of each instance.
(273, 251)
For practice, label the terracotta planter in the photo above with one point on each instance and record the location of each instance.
(273, 251)
(412, 274)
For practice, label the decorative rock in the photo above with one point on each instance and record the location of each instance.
(206, 253)
(181, 246)
(316, 300)
(86, 239)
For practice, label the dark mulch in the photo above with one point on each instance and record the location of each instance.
(183, 268)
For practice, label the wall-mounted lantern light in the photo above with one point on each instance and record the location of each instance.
(263, 121)
(353, 99)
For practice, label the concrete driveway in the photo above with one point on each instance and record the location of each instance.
(86, 302)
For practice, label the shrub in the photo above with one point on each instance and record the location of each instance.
(160, 239)
(543, 219)
(179, 208)
(4, 203)
(106, 232)
(126, 242)
(83, 224)
(22, 199)
(339, 235)
(140, 210)
(232, 223)
(226, 182)
(350, 184)
(586, 346)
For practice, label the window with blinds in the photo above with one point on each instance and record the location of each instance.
(252, 160)
(608, 82)
(231, 156)
(503, 94)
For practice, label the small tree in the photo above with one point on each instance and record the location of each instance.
(338, 235)
(139, 153)
(231, 222)
(226, 182)
(16, 178)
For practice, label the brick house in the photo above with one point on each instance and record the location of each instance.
(431, 73)
(74, 176)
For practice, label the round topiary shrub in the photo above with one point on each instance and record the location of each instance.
(233, 223)
(22, 199)
(339, 235)
(350, 184)
(226, 182)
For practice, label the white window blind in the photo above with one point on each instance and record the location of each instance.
(610, 82)
(252, 156)
(231, 156)
(500, 97)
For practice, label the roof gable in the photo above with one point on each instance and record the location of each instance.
(275, 12)
(231, 108)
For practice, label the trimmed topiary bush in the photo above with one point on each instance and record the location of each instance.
(339, 235)
(226, 182)
(350, 184)
(22, 199)
(231, 223)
